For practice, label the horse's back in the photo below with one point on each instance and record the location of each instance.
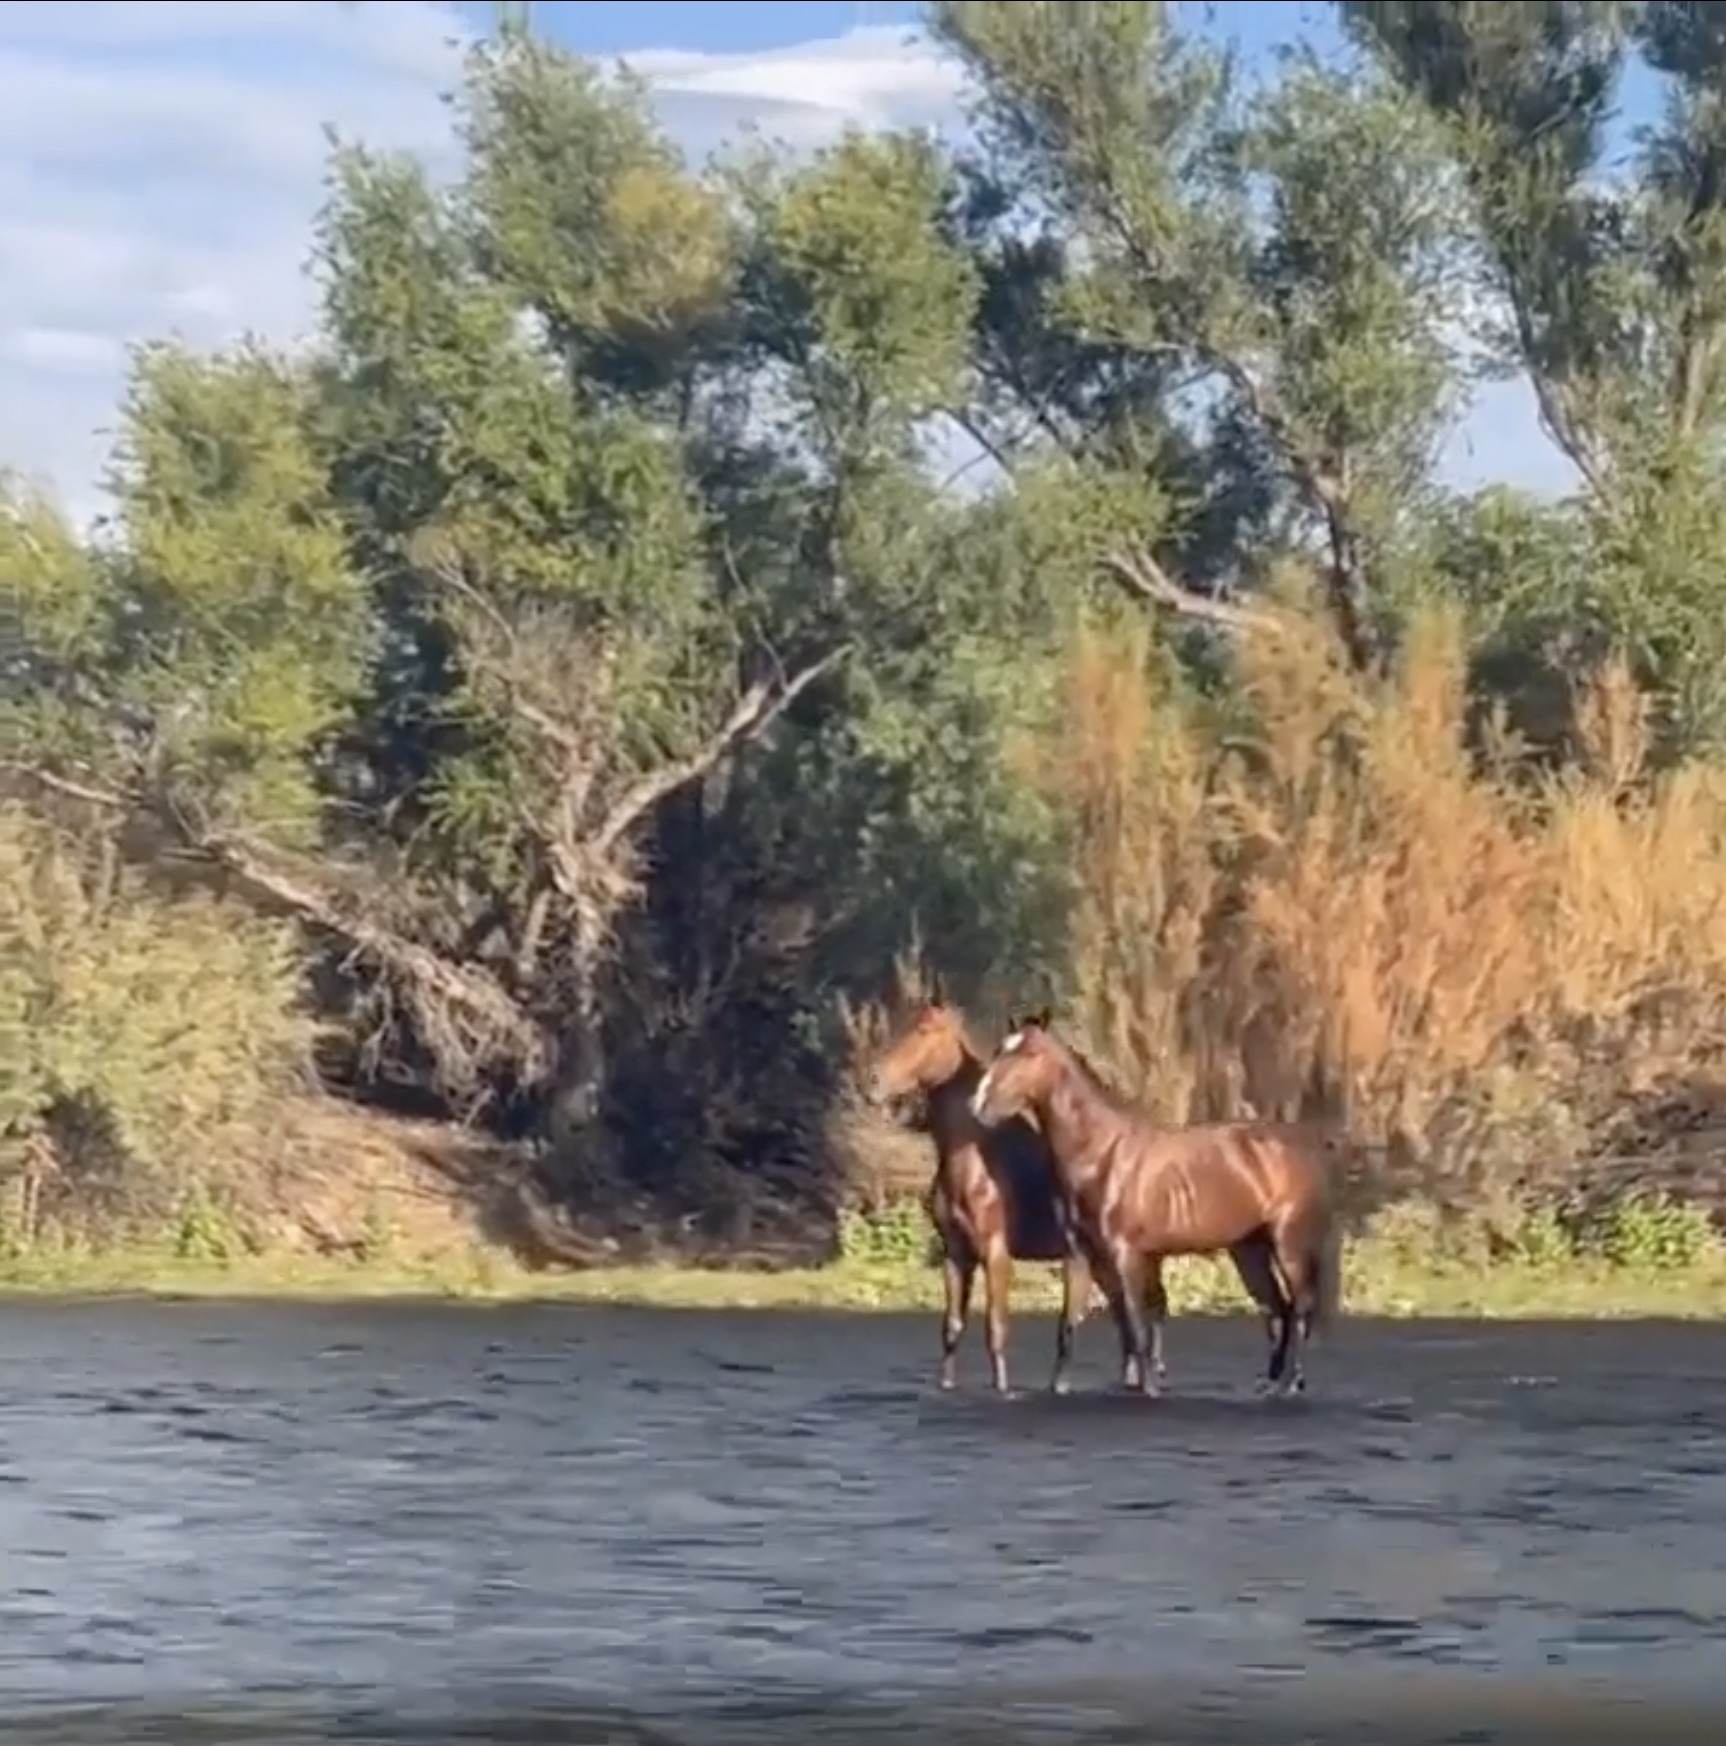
(1288, 1155)
(1206, 1187)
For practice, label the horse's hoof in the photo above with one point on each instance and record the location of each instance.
(946, 1384)
(1295, 1385)
(1060, 1386)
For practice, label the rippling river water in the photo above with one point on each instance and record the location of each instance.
(225, 1522)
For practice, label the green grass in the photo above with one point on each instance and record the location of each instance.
(1381, 1279)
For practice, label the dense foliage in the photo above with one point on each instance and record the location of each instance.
(591, 646)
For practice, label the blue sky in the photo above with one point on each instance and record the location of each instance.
(764, 24)
(160, 162)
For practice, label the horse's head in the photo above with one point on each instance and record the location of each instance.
(1023, 1070)
(926, 1055)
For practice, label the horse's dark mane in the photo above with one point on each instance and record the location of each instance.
(962, 1024)
(1088, 1067)
(971, 1057)
(1109, 1092)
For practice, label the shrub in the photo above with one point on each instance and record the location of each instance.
(895, 1233)
(136, 1034)
(1651, 1232)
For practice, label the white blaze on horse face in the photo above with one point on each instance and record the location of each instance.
(980, 1097)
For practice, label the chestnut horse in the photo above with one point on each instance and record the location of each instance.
(993, 1199)
(1134, 1189)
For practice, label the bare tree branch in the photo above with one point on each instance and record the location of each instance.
(488, 1022)
(1554, 405)
(755, 711)
(1322, 485)
(467, 1012)
(1326, 489)
(466, 1015)
(68, 786)
(448, 572)
(1142, 576)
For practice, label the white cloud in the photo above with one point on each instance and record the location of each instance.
(159, 167)
(161, 162)
(869, 78)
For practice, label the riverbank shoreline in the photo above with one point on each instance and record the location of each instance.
(1374, 1286)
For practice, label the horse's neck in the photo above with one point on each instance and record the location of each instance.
(950, 1101)
(1061, 1114)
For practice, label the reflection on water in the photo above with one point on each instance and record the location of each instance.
(399, 1524)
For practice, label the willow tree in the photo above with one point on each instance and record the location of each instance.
(1601, 282)
(1271, 266)
(440, 577)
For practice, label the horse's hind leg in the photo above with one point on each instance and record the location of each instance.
(1128, 1303)
(1076, 1288)
(1156, 1313)
(997, 1288)
(958, 1274)
(1252, 1259)
(1255, 1262)
(1298, 1272)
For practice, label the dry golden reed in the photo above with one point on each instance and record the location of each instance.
(1331, 899)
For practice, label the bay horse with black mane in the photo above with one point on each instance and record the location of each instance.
(993, 1199)
(1135, 1191)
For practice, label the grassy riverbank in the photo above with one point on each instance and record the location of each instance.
(1378, 1283)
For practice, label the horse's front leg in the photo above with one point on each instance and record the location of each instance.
(958, 1275)
(997, 1288)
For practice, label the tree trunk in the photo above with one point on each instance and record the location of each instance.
(578, 1086)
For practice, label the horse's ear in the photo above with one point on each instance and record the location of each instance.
(937, 989)
(1041, 1019)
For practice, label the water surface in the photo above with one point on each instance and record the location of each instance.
(427, 1523)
